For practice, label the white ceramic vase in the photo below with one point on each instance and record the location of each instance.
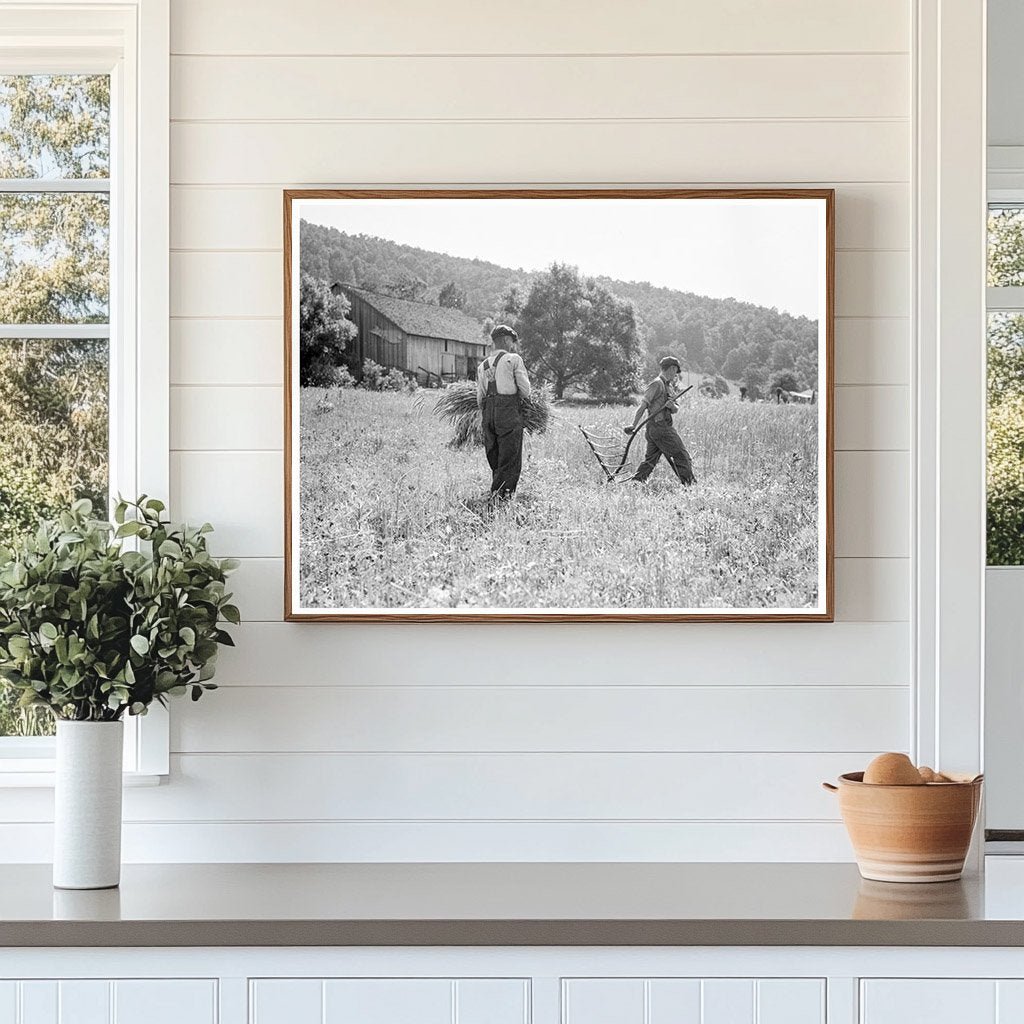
(87, 805)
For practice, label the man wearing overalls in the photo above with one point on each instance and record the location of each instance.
(501, 383)
(662, 438)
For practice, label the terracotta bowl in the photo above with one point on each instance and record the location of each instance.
(909, 833)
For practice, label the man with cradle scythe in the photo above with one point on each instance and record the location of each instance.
(501, 384)
(658, 404)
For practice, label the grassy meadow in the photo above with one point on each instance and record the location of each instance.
(393, 518)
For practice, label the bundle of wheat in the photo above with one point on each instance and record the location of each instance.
(458, 405)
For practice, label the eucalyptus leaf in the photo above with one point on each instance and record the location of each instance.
(74, 605)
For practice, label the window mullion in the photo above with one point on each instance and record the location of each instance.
(62, 332)
(54, 185)
(1005, 300)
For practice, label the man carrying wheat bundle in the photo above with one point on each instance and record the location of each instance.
(501, 383)
(657, 405)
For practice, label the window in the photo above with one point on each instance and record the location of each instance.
(84, 124)
(54, 308)
(1005, 478)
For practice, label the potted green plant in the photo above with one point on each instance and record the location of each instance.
(98, 620)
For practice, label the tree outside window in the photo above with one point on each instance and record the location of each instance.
(54, 307)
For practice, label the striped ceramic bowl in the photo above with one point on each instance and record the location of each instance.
(909, 833)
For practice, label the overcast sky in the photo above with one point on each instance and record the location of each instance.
(766, 251)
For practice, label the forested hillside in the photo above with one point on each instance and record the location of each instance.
(738, 340)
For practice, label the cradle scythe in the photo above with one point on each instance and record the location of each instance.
(610, 452)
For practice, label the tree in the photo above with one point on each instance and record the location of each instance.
(693, 337)
(755, 379)
(404, 286)
(452, 296)
(737, 361)
(1005, 482)
(324, 332)
(576, 332)
(786, 381)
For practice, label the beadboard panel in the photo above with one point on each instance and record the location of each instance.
(872, 216)
(389, 1000)
(533, 26)
(867, 589)
(693, 1000)
(465, 842)
(529, 719)
(869, 350)
(250, 418)
(116, 1001)
(241, 492)
(249, 284)
(548, 151)
(283, 88)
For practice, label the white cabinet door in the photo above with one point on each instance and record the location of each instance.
(693, 1001)
(106, 1001)
(941, 1001)
(388, 1000)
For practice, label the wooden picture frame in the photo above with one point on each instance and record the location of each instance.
(298, 201)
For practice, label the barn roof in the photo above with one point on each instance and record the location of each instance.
(423, 318)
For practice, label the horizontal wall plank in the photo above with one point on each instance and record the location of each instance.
(250, 216)
(218, 352)
(280, 654)
(250, 284)
(869, 350)
(236, 418)
(241, 493)
(247, 787)
(873, 283)
(239, 719)
(208, 418)
(371, 88)
(867, 589)
(247, 284)
(872, 589)
(533, 26)
(872, 418)
(454, 842)
(554, 151)
(872, 350)
(872, 504)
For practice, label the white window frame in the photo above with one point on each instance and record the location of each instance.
(948, 455)
(1002, 685)
(130, 41)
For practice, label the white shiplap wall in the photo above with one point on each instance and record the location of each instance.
(526, 741)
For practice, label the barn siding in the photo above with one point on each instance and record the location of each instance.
(534, 741)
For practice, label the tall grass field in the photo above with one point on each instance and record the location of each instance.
(393, 518)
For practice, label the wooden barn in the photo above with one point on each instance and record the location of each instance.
(433, 342)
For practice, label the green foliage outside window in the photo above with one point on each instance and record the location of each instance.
(1005, 478)
(54, 269)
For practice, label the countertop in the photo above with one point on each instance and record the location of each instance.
(557, 904)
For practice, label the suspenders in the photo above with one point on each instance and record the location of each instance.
(489, 371)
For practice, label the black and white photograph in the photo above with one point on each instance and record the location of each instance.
(562, 405)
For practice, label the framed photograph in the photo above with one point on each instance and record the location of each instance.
(559, 405)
